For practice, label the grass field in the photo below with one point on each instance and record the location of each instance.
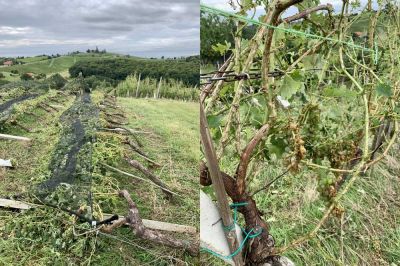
(45, 236)
(32, 59)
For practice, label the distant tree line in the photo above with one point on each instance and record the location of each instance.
(117, 69)
(96, 51)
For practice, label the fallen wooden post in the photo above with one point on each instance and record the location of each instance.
(14, 204)
(140, 152)
(157, 225)
(142, 179)
(137, 165)
(151, 224)
(11, 137)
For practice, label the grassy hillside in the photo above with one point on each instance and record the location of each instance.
(41, 64)
(32, 59)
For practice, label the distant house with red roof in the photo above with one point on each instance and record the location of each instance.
(8, 63)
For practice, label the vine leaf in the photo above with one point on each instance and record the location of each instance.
(278, 146)
(342, 91)
(221, 48)
(214, 121)
(384, 89)
(290, 86)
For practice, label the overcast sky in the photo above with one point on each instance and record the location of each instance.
(150, 28)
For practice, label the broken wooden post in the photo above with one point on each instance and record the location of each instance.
(14, 204)
(137, 87)
(219, 188)
(157, 225)
(158, 89)
(142, 179)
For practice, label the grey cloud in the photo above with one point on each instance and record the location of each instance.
(125, 24)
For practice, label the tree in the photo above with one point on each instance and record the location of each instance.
(88, 51)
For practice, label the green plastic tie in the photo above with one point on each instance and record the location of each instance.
(231, 227)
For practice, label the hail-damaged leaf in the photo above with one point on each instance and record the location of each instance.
(279, 35)
(384, 89)
(246, 5)
(338, 92)
(289, 87)
(214, 121)
(397, 109)
(225, 89)
(297, 75)
(278, 146)
(221, 48)
(256, 116)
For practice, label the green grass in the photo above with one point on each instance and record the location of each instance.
(9, 76)
(207, 68)
(45, 134)
(173, 143)
(32, 59)
(45, 236)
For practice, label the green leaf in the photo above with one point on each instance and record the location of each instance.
(289, 87)
(384, 89)
(214, 121)
(224, 90)
(221, 48)
(297, 75)
(278, 146)
(256, 116)
(339, 92)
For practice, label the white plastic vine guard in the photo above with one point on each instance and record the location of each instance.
(212, 235)
(5, 163)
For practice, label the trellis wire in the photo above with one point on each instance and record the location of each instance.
(216, 11)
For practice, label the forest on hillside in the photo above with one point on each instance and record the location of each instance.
(117, 69)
